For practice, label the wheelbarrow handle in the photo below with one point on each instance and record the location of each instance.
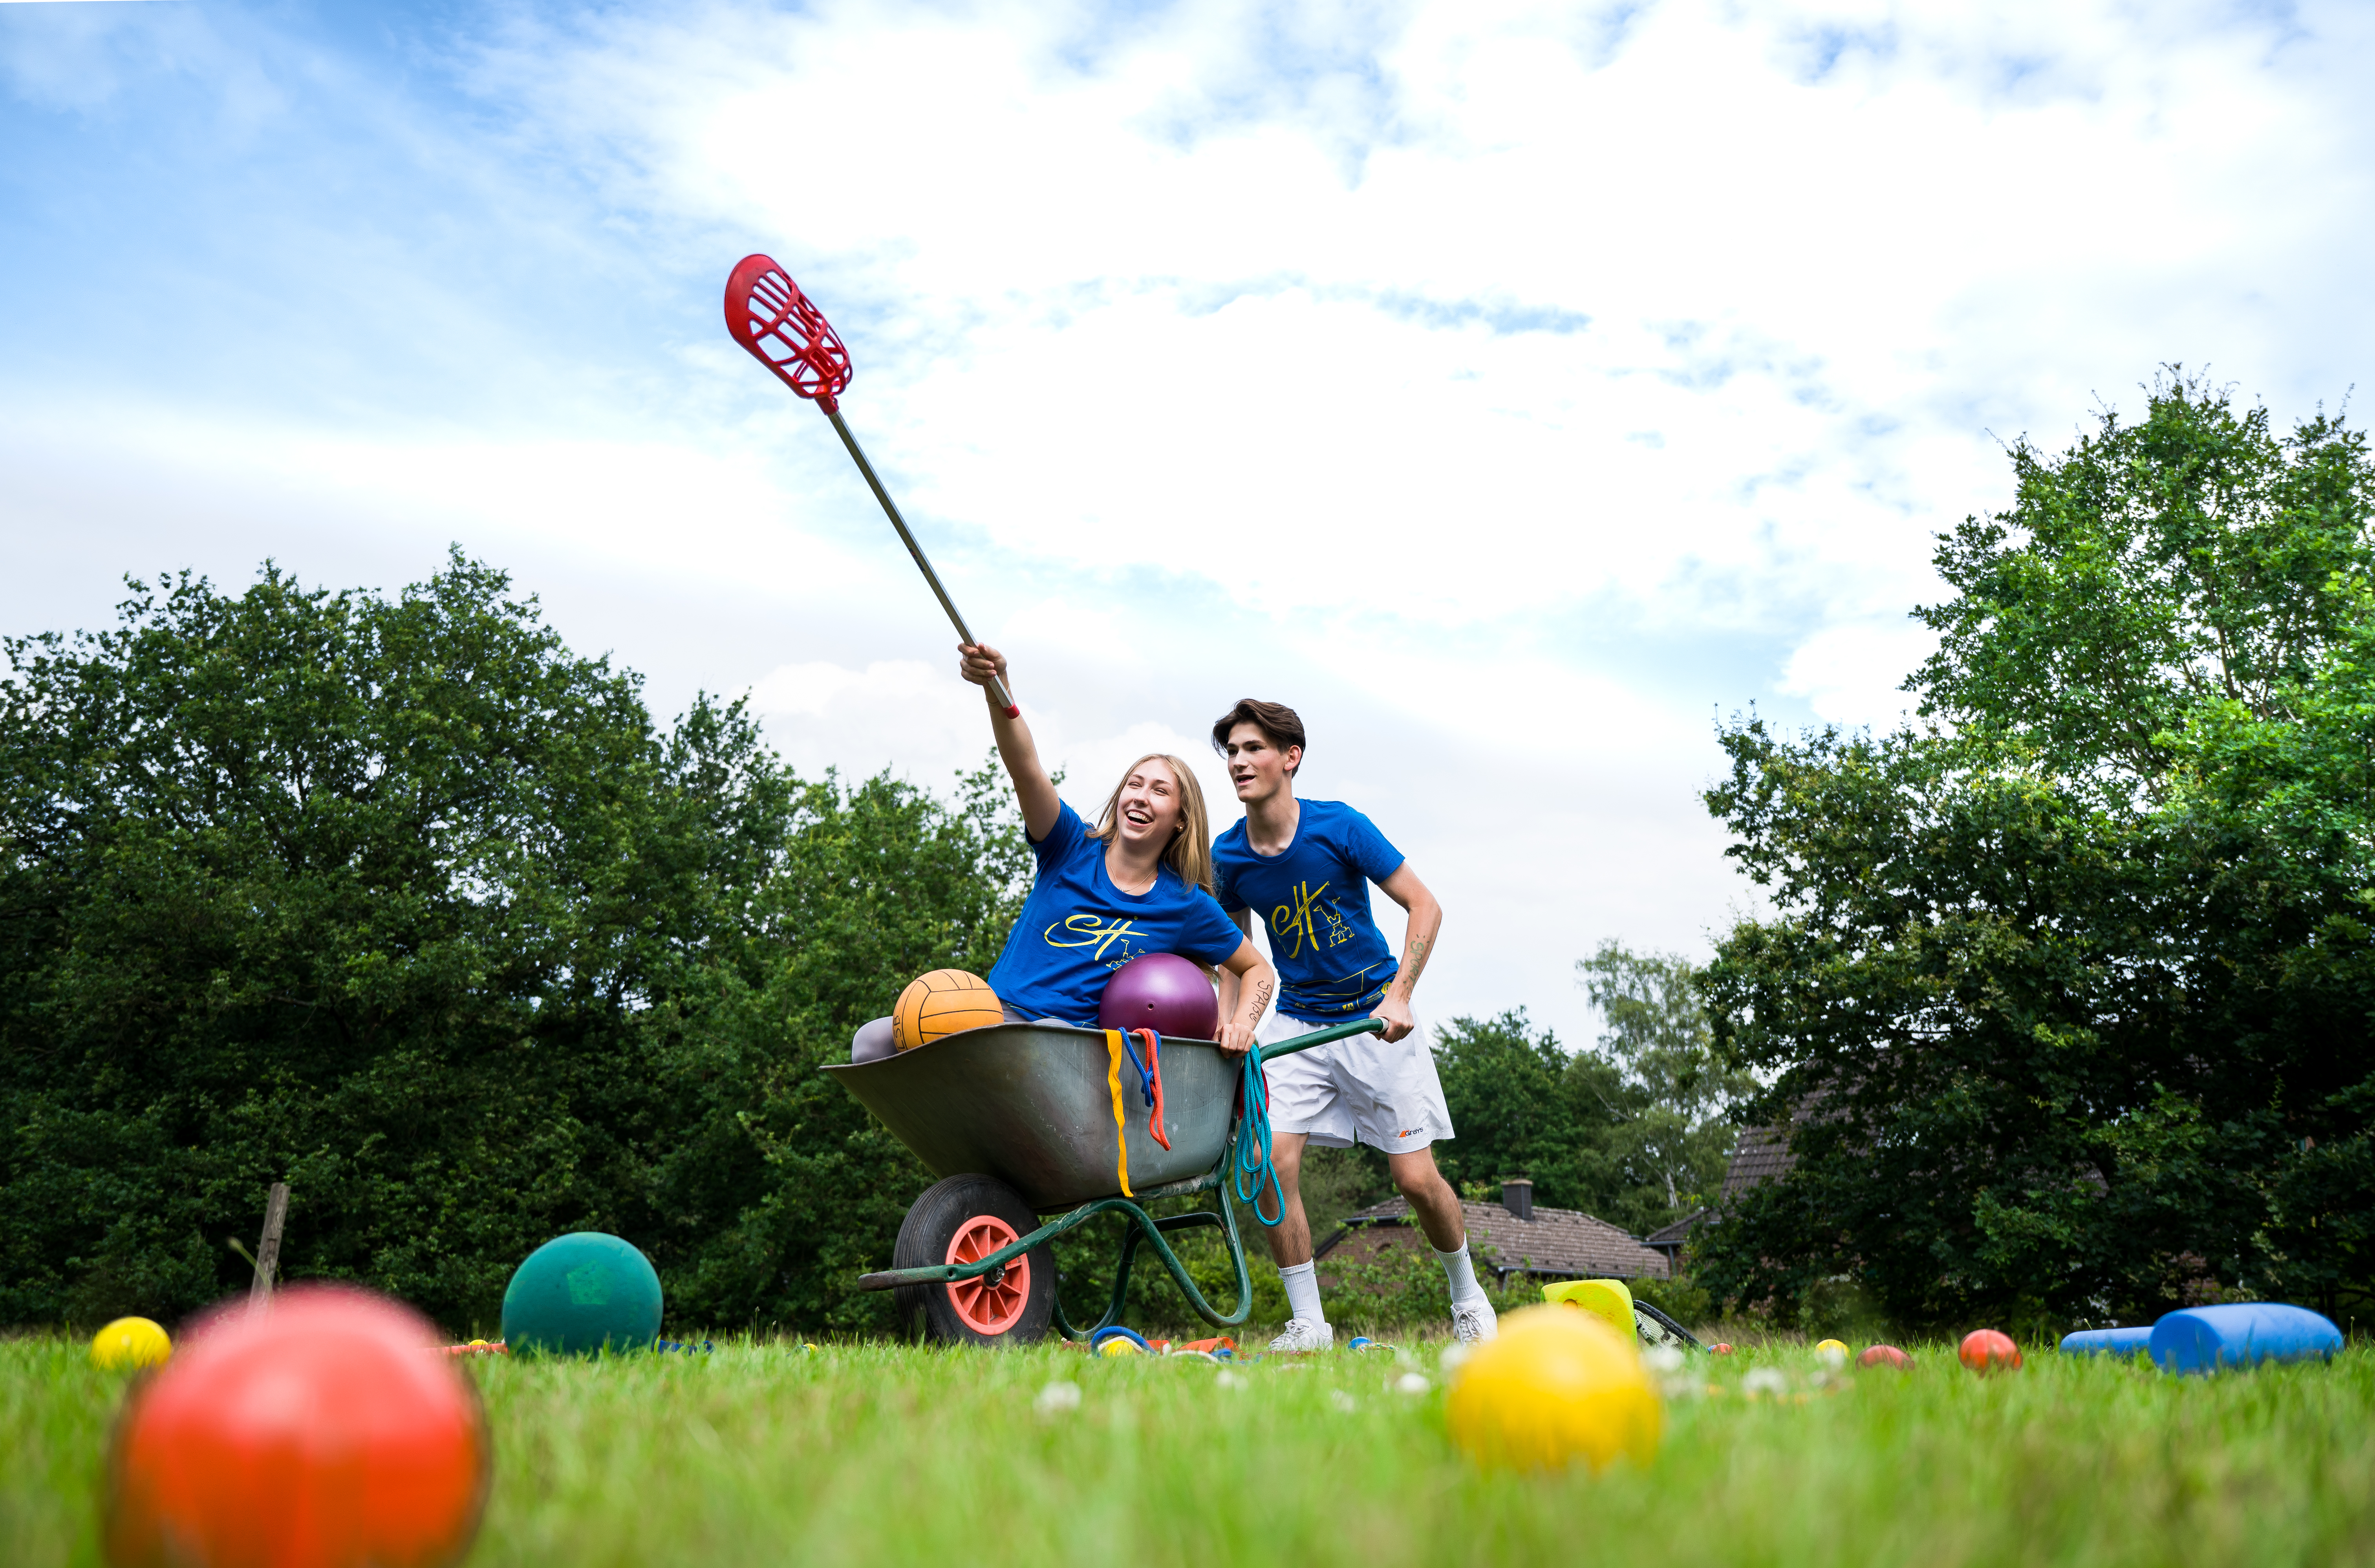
(1320, 1037)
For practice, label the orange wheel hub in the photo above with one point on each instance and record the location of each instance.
(988, 1309)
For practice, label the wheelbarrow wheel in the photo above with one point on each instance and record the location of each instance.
(960, 1220)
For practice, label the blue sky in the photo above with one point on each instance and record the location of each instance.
(1513, 388)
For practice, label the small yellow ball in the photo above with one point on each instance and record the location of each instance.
(130, 1342)
(1118, 1346)
(1833, 1354)
(1556, 1385)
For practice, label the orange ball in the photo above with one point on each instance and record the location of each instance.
(324, 1431)
(1887, 1355)
(1985, 1350)
(940, 1004)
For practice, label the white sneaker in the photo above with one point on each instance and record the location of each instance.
(1303, 1335)
(1473, 1321)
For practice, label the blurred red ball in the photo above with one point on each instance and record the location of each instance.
(1886, 1355)
(321, 1433)
(1722, 1349)
(1985, 1350)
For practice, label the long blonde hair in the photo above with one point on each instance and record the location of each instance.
(1189, 853)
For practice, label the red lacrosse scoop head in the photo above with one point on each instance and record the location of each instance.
(768, 314)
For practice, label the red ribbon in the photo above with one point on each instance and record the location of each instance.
(1154, 1066)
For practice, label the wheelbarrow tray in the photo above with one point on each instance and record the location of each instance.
(1032, 1104)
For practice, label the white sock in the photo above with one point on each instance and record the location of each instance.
(1303, 1291)
(1461, 1271)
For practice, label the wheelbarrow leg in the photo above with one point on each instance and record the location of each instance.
(1150, 1232)
(1131, 1235)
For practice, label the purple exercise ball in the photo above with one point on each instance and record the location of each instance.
(1162, 992)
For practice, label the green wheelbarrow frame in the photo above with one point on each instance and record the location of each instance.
(1016, 1103)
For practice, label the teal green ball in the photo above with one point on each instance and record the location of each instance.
(580, 1293)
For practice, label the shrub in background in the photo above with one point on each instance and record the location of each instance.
(399, 900)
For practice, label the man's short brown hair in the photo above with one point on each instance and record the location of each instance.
(1275, 720)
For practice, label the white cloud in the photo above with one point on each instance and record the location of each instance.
(897, 713)
(1144, 294)
(1850, 674)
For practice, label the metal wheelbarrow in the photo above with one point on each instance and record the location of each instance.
(1022, 1120)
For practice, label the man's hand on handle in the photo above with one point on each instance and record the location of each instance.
(1395, 1011)
(1425, 921)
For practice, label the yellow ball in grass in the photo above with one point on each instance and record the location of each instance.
(1555, 1386)
(1833, 1354)
(130, 1342)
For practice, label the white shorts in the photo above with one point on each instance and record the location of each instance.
(1360, 1090)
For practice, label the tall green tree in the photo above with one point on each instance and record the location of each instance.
(2193, 557)
(1526, 1106)
(2066, 996)
(398, 900)
(1658, 1036)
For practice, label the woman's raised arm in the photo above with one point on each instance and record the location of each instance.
(1032, 788)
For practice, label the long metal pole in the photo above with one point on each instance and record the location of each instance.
(913, 548)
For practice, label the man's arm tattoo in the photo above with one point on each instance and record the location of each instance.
(1413, 963)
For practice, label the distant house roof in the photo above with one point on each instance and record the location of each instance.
(1675, 1234)
(1761, 1155)
(1562, 1241)
(1670, 1239)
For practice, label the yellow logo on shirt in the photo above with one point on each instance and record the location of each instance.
(1092, 931)
(1294, 919)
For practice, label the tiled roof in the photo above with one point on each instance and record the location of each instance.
(1761, 1155)
(1675, 1234)
(1555, 1241)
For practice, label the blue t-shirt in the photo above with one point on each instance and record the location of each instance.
(1076, 928)
(1332, 961)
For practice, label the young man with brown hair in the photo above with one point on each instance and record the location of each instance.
(1304, 867)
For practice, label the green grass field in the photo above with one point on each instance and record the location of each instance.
(760, 1454)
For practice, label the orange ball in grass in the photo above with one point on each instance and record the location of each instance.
(1985, 1350)
(940, 1004)
(324, 1431)
(1885, 1355)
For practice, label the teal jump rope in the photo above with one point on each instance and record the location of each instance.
(1254, 1170)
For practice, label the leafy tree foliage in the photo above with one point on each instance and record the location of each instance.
(2196, 557)
(1660, 1037)
(397, 900)
(1634, 1133)
(1524, 1105)
(2066, 996)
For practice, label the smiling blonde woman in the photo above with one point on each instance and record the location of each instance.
(1140, 881)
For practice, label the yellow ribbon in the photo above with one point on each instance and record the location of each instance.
(1113, 1082)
